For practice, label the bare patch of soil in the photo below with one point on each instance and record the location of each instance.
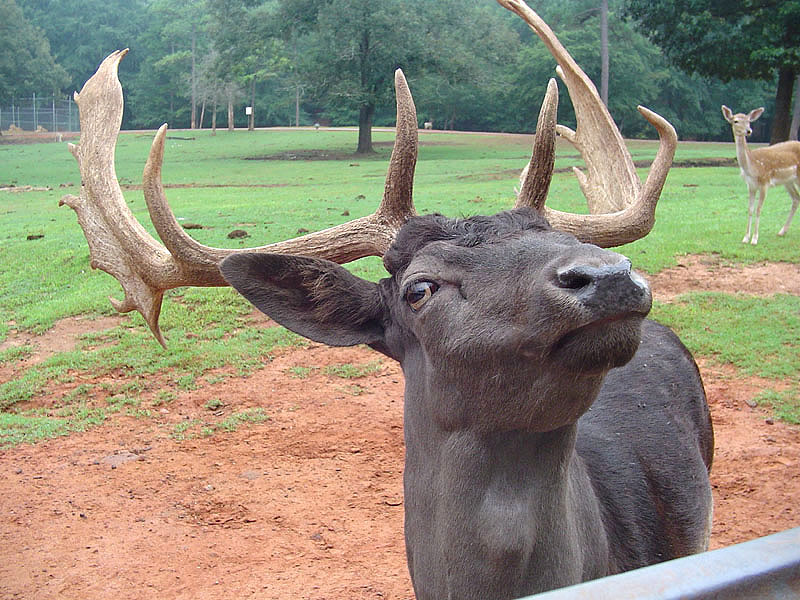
(305, 505)
(36, 137)
(62, 337)
(711, 274)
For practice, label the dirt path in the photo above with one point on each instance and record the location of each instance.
(306, 505)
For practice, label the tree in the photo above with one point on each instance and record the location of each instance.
(83, 32)
(464, 74)
(182, 24)
(745, 39)
(357, 46)
(26, 65)
(249, 53)
(795, 126)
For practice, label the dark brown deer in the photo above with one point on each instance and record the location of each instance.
(553, 434)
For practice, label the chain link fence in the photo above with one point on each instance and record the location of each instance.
(38, 113)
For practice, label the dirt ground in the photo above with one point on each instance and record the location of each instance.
(309, 504)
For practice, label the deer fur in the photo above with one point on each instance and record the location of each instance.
(553, 435)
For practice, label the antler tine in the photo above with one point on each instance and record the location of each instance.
(120, 246)
(537, 175)
(397, 204)
(636, 220)
(368, 236)
(611, 184)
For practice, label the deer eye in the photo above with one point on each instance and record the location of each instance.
(419, 292)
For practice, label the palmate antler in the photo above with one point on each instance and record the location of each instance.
(622, 209)
(120, 246)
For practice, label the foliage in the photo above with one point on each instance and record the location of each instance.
(465, 77)
(26, 64)
(83, 32)
(735, 39)
(169, 74)
(355, 50)
(471, 66)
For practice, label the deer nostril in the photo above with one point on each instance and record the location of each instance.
(583, 277)
(575, 278)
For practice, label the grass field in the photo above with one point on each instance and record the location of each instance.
(273, 183)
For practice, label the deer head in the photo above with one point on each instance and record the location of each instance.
(740, 122)
(145, 268)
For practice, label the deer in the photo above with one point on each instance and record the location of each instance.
(553, 433)
(763, 168)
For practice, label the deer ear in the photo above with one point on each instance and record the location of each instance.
(313, 297)
(727, 113)
(755, 113)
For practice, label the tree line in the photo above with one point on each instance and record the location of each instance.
(471, 65)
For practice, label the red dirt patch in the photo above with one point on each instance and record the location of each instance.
(711, 274)
(307, 504)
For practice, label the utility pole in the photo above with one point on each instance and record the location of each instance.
(604, 51)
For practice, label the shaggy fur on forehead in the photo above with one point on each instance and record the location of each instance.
(472, 231)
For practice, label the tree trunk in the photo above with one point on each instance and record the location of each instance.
(214, 119)
(783, 106)
(367, 109)
(297, 105)
(194, 83)
(604, 51)
(365, 114)
(251, 125)
(202, 115)
(230, 115)
(796, 113)
(296, 84)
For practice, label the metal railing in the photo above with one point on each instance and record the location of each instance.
(766, 568)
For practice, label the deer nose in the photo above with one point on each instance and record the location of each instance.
(611, 288)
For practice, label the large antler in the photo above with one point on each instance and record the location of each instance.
(120, 246)
(622, 209)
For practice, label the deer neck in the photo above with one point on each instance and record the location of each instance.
(743, 156)
(495, 514)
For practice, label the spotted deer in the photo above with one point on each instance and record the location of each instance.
(763, 168)
(553, 433)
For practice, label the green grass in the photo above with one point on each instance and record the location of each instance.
(702, 210)
(348, 371)
(785, 404)
(299, 372)
(193, 428)
(759, 336)
(29, 428)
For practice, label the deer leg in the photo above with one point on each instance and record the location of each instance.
(751, 205)
(791, 187)
(762, 193)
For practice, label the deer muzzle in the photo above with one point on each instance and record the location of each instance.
(606, 290)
